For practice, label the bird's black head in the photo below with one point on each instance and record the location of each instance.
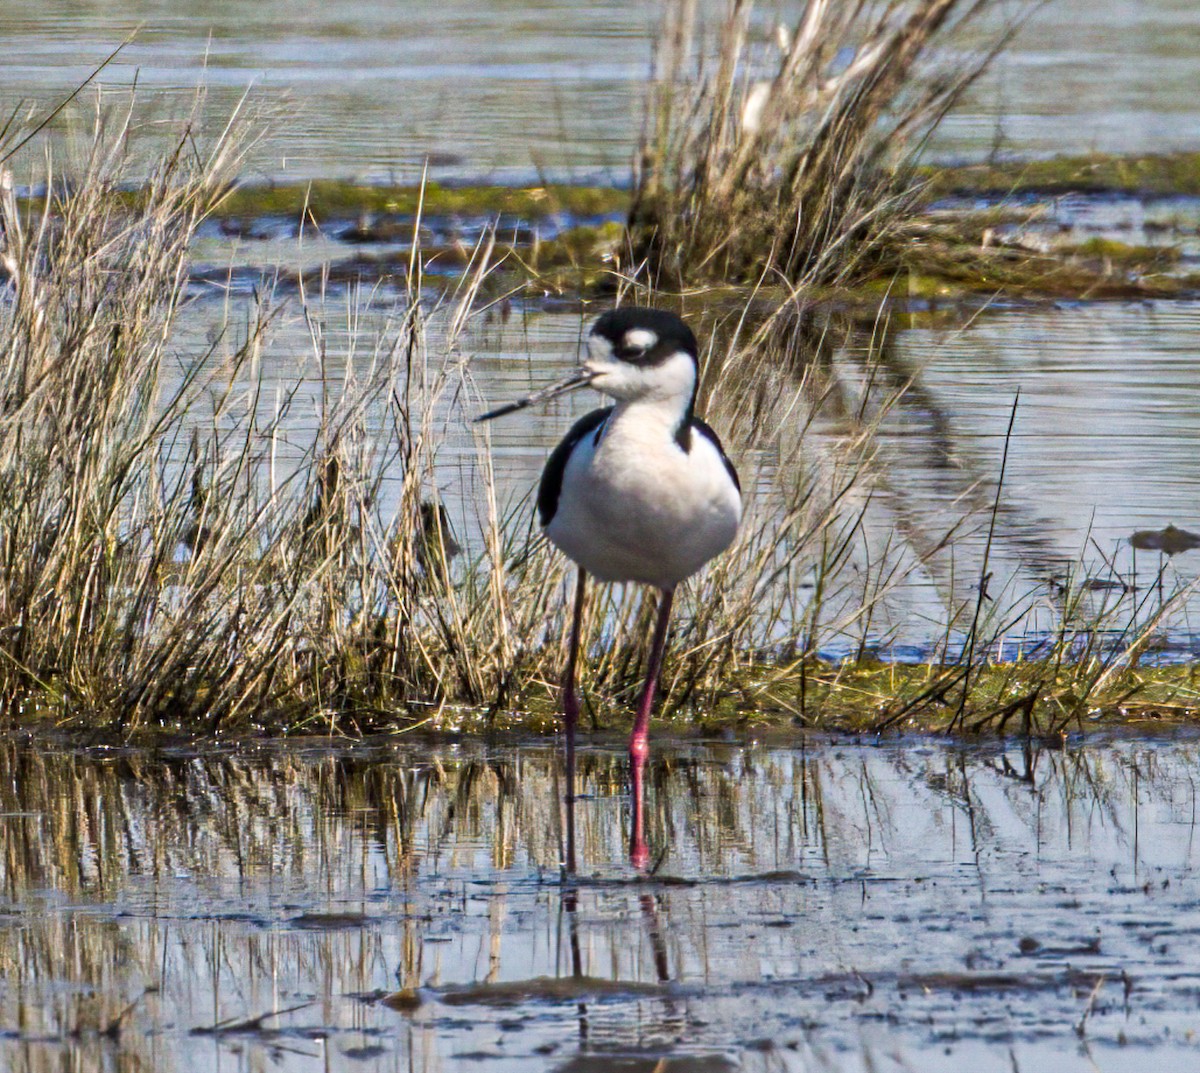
(643, 336)
(634, 353)
(645, 355)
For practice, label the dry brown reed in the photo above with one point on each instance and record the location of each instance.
(164, 561)
(786, 151)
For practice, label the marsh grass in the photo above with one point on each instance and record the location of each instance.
(227, 536)
(790, 154)
(208, 538)
(841, 580)
(787, 155)
(168, 558)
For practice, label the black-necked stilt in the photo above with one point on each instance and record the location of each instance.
(639, 491)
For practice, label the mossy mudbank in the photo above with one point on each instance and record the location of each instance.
(564, 238)
(1040, 698)
(1151, 175)
(325, 199)
(959, 257)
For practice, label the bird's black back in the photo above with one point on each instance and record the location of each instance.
(706, 430)
(552, 476)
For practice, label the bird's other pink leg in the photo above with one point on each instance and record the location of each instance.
(570, 703)
(639, 740)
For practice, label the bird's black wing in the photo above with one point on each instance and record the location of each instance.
(556, 465)
(706, 431)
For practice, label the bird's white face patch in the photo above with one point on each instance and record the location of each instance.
(599, 350)
(669, 380)
(642, 339)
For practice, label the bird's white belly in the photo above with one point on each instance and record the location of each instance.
(656, 516)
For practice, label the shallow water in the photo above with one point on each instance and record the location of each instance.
(551, 86)
(840, 905)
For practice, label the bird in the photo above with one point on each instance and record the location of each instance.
(637, 491)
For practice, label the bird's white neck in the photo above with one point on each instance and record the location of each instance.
(653, 418)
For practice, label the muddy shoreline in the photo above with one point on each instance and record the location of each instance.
(1016, 231)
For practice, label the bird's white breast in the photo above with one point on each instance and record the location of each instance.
(637, 507)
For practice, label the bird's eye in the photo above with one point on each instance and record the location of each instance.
(636, 343)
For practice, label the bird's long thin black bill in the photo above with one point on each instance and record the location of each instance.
(576, 379)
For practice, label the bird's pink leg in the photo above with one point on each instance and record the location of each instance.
(639, 740)
(570, 703)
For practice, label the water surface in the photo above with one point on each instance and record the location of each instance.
(1105, 440)
(550, 86)
(833, 905)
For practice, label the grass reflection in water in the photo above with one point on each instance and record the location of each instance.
(403, 905)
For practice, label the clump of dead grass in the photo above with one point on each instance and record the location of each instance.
(793, 157)
(220, 536)
(170, 554)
